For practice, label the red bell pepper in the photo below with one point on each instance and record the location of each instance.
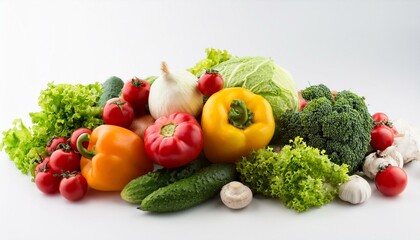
(174, 140)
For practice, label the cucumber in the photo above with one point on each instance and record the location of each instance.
(111, 88)
(191, 191)
(137, 189)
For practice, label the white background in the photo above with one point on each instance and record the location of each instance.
(370, 47)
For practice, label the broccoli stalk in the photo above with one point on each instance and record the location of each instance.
(338, 123)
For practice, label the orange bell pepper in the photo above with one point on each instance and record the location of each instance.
(114, 156)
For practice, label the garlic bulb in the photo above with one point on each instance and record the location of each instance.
(174, 91)
(407, 142)
(356, 190)
(374, 161)
(236, 195)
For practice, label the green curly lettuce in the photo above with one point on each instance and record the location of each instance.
(213, 58)
(64, 108)
(19, 143)
(300, 175)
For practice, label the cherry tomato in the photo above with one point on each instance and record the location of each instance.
(54, 143)
(119, 112)
(136, 92)
(391, 181)
(394, 131)
(380, 117)
(64, 160)
(42, 166)
(303, 104)
(75, 135)
(73, 187)
(381, 137)
(47, 181)
(210, 82)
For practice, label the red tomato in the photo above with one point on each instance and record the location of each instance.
(174, 140)
(43, 166)
(210, 82)
(119, 112)
(75, 135)
(47, 181)
(391, 181)
(381, 137)
(64, 160)
(73, 187)
(136, 92)
(380, 117)
(394, 131)
(54, 144)
(303, 104)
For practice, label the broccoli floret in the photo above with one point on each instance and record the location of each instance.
(340, 124)
(317, 91)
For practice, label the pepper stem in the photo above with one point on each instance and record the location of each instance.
(168, 130)
(84, 137)
(239, 115)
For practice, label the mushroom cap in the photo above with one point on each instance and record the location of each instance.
(236, 195)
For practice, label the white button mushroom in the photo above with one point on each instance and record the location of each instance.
(356, 190)
(236, 195)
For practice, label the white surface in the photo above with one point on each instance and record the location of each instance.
(370, 47)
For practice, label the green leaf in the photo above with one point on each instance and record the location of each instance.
(213, 57)
(301, 176)
(64, 108)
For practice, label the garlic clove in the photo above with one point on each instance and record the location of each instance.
(357, 190)
(392, 153)
(375, 161)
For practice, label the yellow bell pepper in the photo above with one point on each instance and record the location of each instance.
(114, 156)
(234, 122)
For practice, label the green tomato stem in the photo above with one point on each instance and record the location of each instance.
(211, 71)
(136, 82)
(239, 115)
(65, 146)
(119, 103)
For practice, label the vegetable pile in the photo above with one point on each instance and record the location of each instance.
(229, 126)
